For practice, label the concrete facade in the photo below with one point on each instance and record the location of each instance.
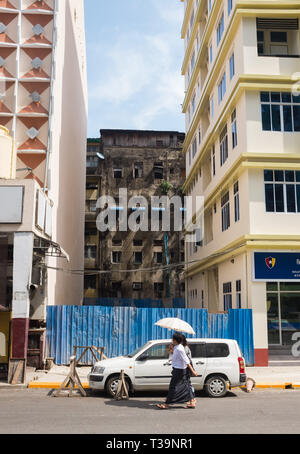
(140, 161)
(235, 71)
(44, 110)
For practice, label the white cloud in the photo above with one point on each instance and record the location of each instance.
(138, 74)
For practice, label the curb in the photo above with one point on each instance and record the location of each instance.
(50, 385)
(56, 385)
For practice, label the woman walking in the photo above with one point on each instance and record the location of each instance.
(192, 403)
(180, 387)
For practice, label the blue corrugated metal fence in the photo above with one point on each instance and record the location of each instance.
(123, 329)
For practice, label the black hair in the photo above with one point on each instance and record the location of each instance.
(178, 338)
(184, 341)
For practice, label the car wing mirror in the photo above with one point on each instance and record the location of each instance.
(143, 357)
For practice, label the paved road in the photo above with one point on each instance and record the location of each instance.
(262, 411)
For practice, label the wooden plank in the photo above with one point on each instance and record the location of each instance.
(17, 372)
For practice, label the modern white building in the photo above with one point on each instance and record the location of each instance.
(242, 71)
(43, 106)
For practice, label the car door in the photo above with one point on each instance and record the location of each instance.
(198, 350)
(153, 368)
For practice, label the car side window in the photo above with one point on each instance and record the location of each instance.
(198, 350)
(217, 350)
(158, 351)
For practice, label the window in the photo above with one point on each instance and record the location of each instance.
(158, 257)
(118, 173)
(227, 296)
(220, 29)
(192, 61)
(93, 206)
(90, 252)
(194, 148)
(137, 286)
(158, 242)
(229, 6)
(194, 103)
(116, 242)
(222, 88)
(199, 136)
(202, 299)
(160, 351)
(234, 129)
(214, 350)
(279, 37)
(238, 294)
(232, 66)
(116, 256)
(90, 282)
(197, 350)
(158, 171)
(260, 42)
(225, 205)
(223, 146)
(280, 111)
(138, 243)
(138, 170)
(213, 160)
(236, 202)
(282, 191)
(210, 53)
(209, 5)
(138, 258)
(190, 156)
(158, 289)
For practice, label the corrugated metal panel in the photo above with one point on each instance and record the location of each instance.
(123, 329)
(240, 327)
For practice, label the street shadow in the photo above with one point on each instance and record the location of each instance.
(147, 405)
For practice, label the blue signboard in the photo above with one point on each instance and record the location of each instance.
(277, 266)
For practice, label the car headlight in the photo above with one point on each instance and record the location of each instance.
(98, 370)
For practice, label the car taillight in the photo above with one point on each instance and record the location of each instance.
(242, 365)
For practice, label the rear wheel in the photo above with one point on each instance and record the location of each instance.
(216, 386)
(112, 385)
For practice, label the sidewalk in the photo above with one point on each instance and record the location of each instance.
(265, 377)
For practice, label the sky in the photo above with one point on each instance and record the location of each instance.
(134, 59)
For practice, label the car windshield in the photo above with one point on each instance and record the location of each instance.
(138, 350)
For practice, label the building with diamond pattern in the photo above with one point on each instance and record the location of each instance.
(43, 116)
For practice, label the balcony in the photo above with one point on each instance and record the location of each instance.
(278, 38)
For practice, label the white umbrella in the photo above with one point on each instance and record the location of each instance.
(175, 324)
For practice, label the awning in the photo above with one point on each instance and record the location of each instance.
(49, 248)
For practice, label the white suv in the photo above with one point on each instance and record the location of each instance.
(219, 363)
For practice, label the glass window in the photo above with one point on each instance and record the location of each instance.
(225, 212)
(272, 286)
(197, 350)
(234, 129)
(220, 29)
(290, 286)
(282, 191)
(279, 37)
(160, 351)
(223, 146)
(269, 195)
(217, 350)
(232, 66)
(236, 202)
(276, 119)
(280, 112)
(266, 117)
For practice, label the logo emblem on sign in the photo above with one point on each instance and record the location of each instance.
(270, 262)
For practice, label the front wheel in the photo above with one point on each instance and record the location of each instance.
(216, 386)
(112, 384)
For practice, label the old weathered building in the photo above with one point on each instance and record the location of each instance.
(145, 163)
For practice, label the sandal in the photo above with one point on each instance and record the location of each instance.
(162, 406)
(190, 406)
